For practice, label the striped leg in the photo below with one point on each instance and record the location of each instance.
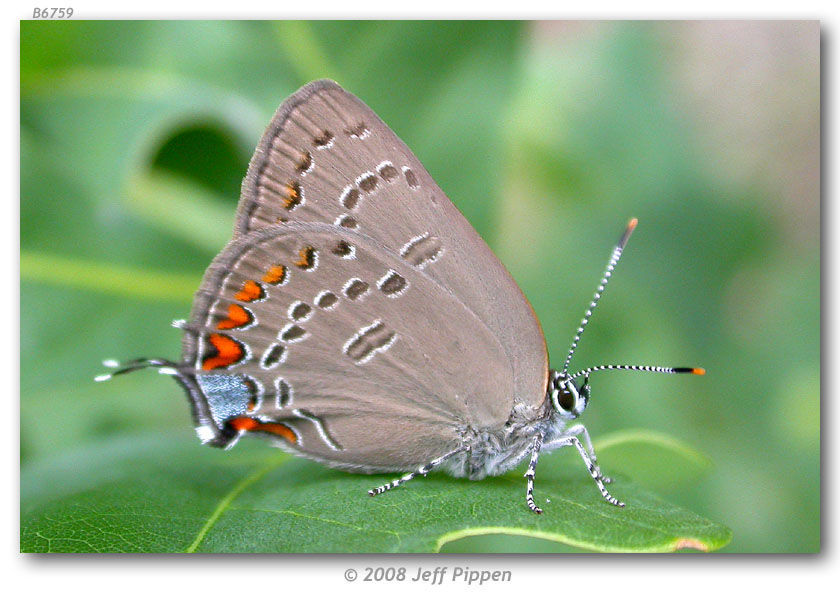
(531, 472)
(409, 476)
(593, 469)
(580, 430)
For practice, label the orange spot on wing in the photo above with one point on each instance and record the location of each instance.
(249, 292)
(307, 258)
(249, 424)
(279, 429)
(243, 423)
(292, 198)
(228, 351)
(275, 275)
(237, 317)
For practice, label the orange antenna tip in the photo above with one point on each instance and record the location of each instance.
(629, 229)
(692, 370)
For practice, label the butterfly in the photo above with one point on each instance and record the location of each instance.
(357, 319)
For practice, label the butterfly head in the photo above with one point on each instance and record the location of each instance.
(568, 398)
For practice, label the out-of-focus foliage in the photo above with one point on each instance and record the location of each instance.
(548, 136)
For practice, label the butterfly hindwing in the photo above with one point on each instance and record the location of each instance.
(346, 345)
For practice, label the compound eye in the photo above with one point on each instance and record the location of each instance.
(566, 400)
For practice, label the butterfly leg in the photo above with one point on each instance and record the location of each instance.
(571, 440)
(531, 472)
(424, 470)
(579, 430)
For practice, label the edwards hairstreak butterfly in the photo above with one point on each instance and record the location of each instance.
(357, 319)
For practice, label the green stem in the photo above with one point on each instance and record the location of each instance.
(106, 278)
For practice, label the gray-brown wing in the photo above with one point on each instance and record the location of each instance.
(328, 158)
(366, 359)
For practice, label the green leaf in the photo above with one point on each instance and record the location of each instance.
(652, 459)
(146, 494)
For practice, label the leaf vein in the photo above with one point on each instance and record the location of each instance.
(331, 521)
(227, 500)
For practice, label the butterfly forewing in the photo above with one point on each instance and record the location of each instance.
(327, 158)
(345, 345)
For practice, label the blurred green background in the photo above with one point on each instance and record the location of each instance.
(548, 136)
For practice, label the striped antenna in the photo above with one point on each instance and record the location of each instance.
(653, 369)
(616, 254)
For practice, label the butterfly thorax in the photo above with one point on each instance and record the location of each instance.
(493, 452)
